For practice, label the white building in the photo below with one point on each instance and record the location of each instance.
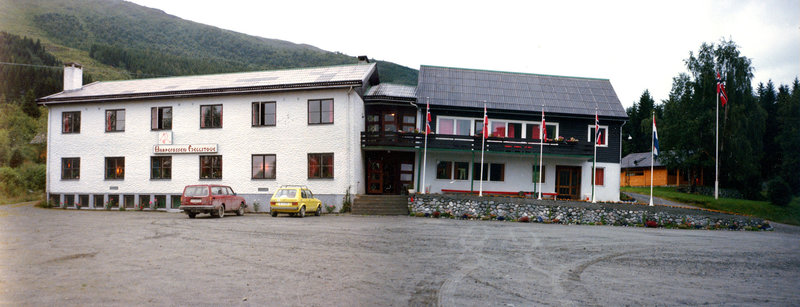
(335, 129)
(136, 141)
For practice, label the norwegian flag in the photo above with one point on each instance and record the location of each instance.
(428, 120)
(597, 132)
(656, 150)
(723, 95)
(485, 123)
(543, 130)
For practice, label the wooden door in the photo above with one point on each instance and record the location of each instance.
(374, 174)
(568, 181)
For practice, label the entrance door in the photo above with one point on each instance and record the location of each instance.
(568, 181)
(374, 174)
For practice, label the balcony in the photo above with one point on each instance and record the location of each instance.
(414, 141)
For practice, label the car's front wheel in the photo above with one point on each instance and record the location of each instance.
(220, 212)
(319, 210)
(191, 214)
(240, 212)
(302, 212)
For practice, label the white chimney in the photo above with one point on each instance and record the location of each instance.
(73, 76)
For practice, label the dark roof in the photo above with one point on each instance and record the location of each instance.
(638, 159)
(219, 84)
(459, 87)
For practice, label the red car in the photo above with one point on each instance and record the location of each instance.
(210, 198)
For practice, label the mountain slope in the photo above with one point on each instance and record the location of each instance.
(139, 41)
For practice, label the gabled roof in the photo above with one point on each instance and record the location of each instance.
(459, 87)
(232, 83)
(638, 159)
(392, 90)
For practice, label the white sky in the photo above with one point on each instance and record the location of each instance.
(638, 45)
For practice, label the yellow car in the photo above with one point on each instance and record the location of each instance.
(295, 200)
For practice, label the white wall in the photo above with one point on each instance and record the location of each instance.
(290, 140)
(519, 173)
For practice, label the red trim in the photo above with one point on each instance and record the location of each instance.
(496, 192)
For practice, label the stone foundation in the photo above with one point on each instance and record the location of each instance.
(575, 212)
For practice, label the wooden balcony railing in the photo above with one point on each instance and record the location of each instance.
(468, 143)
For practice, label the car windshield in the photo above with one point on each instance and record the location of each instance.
(286, 193)
(195, 191)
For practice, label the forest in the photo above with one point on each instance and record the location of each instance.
(759, 129)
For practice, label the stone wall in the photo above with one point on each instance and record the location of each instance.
(575, 212)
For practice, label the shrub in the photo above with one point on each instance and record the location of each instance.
(330, 208)
(33, 176)
(524, 219)
(651, 224)
(256, 206)
(779, 191)
(436, 214)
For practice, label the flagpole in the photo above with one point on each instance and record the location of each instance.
(541, 152)
(652, 159)
(594, 159)
(483, 145)
(425, 148)
(716, 148)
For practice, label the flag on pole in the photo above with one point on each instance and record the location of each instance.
(428, 120)
(723, 95)
(599, 138)
(543, 131)
(655, 138)
(485, 123)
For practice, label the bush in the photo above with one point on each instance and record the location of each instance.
(779, 192)
(33, 176)
(10, 181)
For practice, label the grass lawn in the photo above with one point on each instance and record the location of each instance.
(7, 200)
(790, 214)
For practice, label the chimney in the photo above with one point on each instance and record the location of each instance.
(363, 59)
(73, 76)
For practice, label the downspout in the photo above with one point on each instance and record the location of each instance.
(47, 158)
(349, 132)
(620, 140)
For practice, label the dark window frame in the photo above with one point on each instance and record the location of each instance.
(536, 174)
(601, 180)
(74, 124)
(72, 173)
(113, 125)
(162, 171)
(211, 168)
(259, 114)
(263, 170)
(212, 122)
(488, 173)
(113, 168)
(321, 174)
(320, 118)
(447, 167)
(157, 119)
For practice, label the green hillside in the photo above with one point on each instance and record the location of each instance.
(118, 40)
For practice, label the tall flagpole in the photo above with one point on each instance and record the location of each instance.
(425, 150)
(652, 160)
(716, 147)
(483, 145)
(541, 152)
(594, 159)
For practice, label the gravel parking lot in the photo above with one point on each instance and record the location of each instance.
(69, 257)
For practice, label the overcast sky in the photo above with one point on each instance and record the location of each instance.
(638, 45)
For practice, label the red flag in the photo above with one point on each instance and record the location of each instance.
(723, 95)
(428, 120)
(600, 138)
(597, 128)
(485, 123)
(543, 130)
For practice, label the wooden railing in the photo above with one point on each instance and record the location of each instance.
(468, 143)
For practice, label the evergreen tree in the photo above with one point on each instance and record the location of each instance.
(788, 137)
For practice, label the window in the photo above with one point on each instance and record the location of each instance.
(478, 127)
(320, 111)
(71, 122)
(160, 167)
(263, 114)
(70, 168)
(497, 128)
(452, 170)
(444, 170)
(600, 173)
(532, 131)
(113, 200)
(211, 116)
(634, 173)
(161, 118)
(263, 167)
(536, 173)
(161, 201)
(603, 135)
(320, 165)
(461, 170)
(115, 120)
(491, 171)
(453, 126)
(210, 167)
(409, 123)
(115, 167)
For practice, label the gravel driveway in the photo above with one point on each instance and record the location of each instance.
(69, 257)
